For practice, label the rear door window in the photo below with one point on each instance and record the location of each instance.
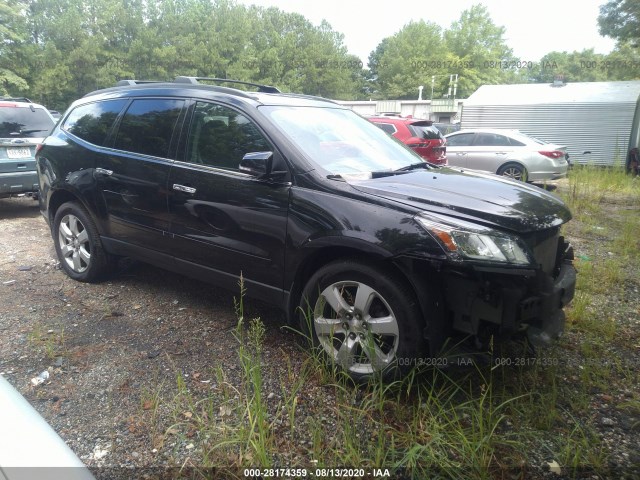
(148, 125)
(93, 122)
(491, 140)
(460, 140)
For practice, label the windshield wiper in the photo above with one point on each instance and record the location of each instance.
(415, 166)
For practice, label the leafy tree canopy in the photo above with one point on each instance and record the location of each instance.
(55, 51)
(59, 50)
(620, 19)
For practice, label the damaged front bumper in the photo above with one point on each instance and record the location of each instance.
(489, 301)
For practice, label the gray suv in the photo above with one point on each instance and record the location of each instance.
(23, 125)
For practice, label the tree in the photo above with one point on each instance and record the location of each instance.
(421, 53)
(408, 59)
(623, 63)
(620, 19)
(571, 67)
(58, 50)
(479, 49)
(587, 66)
(12, 34)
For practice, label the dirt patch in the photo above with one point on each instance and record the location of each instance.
(110, 346)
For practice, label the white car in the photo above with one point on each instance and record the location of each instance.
(29, 447)
(507, 152)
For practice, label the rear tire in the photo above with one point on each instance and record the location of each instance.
(514, 170)
(78, 244)
(364, 318)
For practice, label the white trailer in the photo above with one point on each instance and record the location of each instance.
(598, 122)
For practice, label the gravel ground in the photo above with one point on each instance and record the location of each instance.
(113, 349)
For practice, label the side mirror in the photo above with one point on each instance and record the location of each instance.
(258, 164)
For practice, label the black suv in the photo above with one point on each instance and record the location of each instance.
(23, 125)
(378, 255)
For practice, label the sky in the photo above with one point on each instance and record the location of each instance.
(533, 29)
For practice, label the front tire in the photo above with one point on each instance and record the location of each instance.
(364, 318)
(78, 244)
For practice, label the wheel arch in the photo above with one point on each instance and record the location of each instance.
(514, 163)
(506, 163)
(62, 196)
(317, 260)
(414, 281)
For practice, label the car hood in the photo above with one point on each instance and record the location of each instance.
(486, 199)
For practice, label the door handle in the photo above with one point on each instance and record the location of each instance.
(104, 171)
(184, 188)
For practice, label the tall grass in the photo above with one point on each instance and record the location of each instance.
(590, 185)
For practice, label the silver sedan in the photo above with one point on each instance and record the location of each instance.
(507, 152)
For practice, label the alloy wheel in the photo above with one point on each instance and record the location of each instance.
(75, 246)
(356, 326)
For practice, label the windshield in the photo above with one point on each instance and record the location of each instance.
(340, 141)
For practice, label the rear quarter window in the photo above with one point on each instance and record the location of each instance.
(93, 122)
(387, 127)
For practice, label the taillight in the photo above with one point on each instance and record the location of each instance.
(552, 154)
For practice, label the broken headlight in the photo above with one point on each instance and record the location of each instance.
(466, 241)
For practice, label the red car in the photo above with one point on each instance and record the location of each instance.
(425, 139)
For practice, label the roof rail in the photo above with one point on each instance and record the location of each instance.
(124, 83)
(197, 80)
(15, 99)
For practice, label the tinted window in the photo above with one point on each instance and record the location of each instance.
(92, 122)
(220, 137)
(387, 127)
(460, 140)
(17, 122)
(426, 132)
(148, 125)
(491, 140)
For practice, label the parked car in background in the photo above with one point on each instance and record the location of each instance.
(420, 135)
(29, 447)
(23, 125)
(507, 152)
(377, 255)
